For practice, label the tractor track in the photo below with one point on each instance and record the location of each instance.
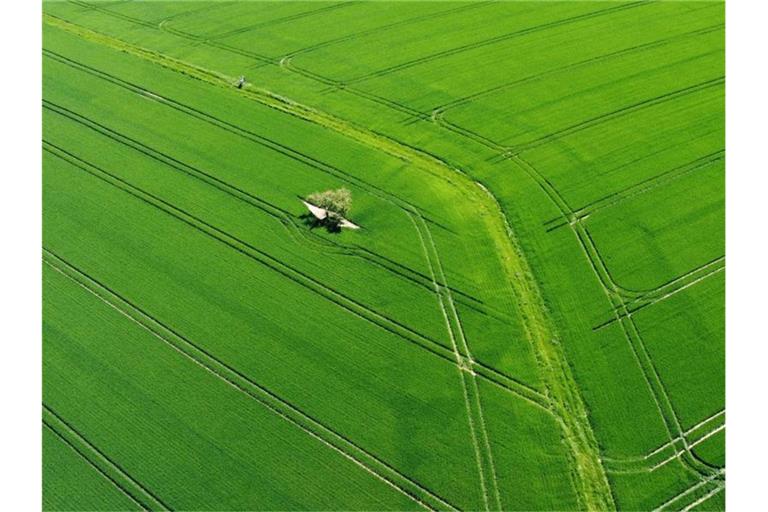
(244, 384)
(348, 304)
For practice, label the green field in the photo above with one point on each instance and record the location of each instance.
(531, 316)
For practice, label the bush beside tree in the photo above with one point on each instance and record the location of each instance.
(337, 203)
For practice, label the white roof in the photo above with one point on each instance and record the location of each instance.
(318, 212)
(322, 213)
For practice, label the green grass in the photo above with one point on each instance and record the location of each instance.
(118, 387)
(540, 187)
(693, 367)
(71, 482)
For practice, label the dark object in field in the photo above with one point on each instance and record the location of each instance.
(330, 208)
(240, 82)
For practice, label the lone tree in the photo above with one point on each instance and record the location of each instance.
(337, 203)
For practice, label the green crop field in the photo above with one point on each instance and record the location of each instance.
(530, 317)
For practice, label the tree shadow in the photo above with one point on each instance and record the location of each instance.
(313, 222)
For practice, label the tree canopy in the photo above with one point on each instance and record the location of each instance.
(337, 203)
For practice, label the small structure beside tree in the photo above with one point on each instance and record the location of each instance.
(330, 208)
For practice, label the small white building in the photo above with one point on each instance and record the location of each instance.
(322, 214)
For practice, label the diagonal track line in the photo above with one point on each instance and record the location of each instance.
(486, 42)
(275, 211)
(493, 375)
(383, 28)
(629, 329)
(477, 428)
(689, 490)
(348, 304)
(639, 188)
(574, 65)
(276, 404)
(588, 474)
(603, 118)
(117, 485)
(100, 461)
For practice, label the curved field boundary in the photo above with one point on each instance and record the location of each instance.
(276, 404)
(665, 291)
(589, 479)
(99, 461)
(631, 333)
(569, 217)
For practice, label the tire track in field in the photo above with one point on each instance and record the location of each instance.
(162, 26)
(464, 362)
(271, 144)
(420, 60)
(693, 434)
(689, 490)
(438, 114)
(608, 116)
(665, 291)
(501, 379)
(662, 455)
(285, 62)
(571, 218)
(704, 498)
(284, 19)
(261, 394)
(341, 300)
(382, 28)
(114, 14)
(588, 476)
(101, 462)
(629, 329)
(190, 12)
(493, 40)
(212, 37)
(637, 189)
(125, 492)
(674, 284)
(284, 216)
(441, 109)
(643, 357)
(494, 375)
